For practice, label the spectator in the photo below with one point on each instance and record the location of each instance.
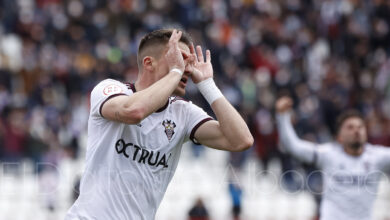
(198, 211)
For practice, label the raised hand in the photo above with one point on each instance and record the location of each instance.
(283, 104)
(174, 56)
(200, 68)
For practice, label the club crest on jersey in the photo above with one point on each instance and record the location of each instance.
(169, 128)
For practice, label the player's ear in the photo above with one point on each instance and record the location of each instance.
(147, 63)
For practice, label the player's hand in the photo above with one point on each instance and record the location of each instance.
(174, 56)
(200, 68)
(283, 104)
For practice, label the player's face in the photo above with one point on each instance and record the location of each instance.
(164, 69)
(181, 88)
(352, 133)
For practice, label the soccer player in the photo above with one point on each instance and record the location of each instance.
(351, 167)
(136, 131)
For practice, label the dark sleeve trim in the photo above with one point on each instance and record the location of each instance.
(132, 87)
(164, 107)
(192, 135)
(108, 98)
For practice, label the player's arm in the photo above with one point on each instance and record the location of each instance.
(133, 109)
(230, 132)
(384, 158)
(301, 149)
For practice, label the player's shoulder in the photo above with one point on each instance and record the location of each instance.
(373, 148)
(107, 82)
(112, 86)
(327, 147)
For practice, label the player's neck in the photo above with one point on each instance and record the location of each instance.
(144, 81)
(354, 151)
(142, 84)
(139, 86)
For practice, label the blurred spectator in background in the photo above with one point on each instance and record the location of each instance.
(198, 211)
(14, 136)
(235, 192)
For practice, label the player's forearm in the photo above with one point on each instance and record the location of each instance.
(286, 132)
(149, 100)
(300, 149)
(232, 125)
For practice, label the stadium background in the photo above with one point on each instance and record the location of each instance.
(329, 55)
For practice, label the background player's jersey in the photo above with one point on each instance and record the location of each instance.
(350, 183)
(128, 167)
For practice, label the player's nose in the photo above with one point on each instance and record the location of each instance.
(356, 132)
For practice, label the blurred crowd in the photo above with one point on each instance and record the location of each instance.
(329, 55)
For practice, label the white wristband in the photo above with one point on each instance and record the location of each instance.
(209, 90)
(177, 71)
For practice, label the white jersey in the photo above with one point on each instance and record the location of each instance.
(350, 183)
(128, 167)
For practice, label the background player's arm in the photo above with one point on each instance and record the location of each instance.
(384, 158)
(133, 109)
(301, 149)
(230, 132)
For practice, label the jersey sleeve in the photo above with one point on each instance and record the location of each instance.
(104, 91)
(383, 158)
(303, 150)
(195, 118)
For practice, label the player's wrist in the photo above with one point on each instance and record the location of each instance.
(286, 115)
(176, 70)
(209, 90)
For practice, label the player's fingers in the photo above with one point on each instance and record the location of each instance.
(284, 104)
(178, 36)
(208, 56)
(192, 49)
(191, 58)
(185, 55)
(173, 36)
(200, 53)
(287, 101)
(189, 69)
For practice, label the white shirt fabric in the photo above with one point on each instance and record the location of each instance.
(350, 183)
(128, 167)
